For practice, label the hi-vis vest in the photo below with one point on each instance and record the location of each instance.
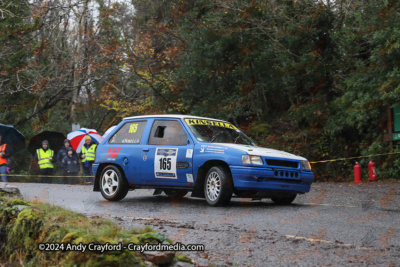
(3, 148)
(89, 153)
(44, 158)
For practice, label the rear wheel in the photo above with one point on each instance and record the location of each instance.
(284, 200)
(218, 186)
(113, 185)
(175, 193)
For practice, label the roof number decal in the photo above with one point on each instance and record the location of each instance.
(133, 128)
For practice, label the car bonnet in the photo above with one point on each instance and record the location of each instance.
(262, 151)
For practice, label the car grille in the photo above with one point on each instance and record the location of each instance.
(286, 174)
(282, 163)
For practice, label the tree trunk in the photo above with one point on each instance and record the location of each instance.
(77, 60)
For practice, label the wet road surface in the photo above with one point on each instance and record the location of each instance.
(336, 224)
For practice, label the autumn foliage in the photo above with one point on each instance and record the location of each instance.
(311, 77)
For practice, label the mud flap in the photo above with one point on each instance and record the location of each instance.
(157, 192)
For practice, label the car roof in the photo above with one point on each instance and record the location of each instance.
(177, 116)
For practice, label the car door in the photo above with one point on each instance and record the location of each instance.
(124, 149)
(169, 155)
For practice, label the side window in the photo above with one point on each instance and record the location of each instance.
(166, 132)
(129, 133)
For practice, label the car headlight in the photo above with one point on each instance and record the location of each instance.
(250, 159)
(305, 165)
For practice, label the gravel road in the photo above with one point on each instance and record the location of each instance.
(336, 224)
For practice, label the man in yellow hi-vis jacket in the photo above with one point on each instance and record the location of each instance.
(45, 158)
(88, 155)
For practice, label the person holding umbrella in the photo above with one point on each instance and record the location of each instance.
(62, 153)
(4, 154)
(88, 155)
(45, 158)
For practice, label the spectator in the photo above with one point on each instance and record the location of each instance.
(45, 159)
(88, 155)
(60, 156)
(4, 154)
(71, 166)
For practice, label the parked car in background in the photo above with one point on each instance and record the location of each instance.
(210, 158)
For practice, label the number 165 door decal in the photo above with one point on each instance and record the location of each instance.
(165, 163)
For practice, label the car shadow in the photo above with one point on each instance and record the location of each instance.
(163, 201)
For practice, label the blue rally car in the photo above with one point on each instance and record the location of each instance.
(211, 158)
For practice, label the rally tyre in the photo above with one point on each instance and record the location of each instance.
(113, 185)
(218, 186)
(284, 200)
(175, 193)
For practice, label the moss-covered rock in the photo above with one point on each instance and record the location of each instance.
(183, 258)
(69, 237)
(10, 192)
(15, 202)
(160, 257)
(23, 230)
(23, 234)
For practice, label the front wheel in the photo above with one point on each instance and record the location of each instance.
(113, 185)
(284, 200)
(218, 186)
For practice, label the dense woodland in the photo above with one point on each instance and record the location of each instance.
(311, 77)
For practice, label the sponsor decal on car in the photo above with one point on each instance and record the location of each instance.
(189, 153)
(189, 177)
(113, 153)
(209, 122)
(130, 141)
(213, 149)
(183, 164)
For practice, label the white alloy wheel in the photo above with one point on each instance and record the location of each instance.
(113, 185)
(109, 182)
(218, 186)
(213, 186)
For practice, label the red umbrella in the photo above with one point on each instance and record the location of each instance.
(77, 138)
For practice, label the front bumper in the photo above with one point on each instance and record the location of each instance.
(285, 180)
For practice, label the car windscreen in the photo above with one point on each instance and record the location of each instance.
(217, 132)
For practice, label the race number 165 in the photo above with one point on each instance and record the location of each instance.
(165, 164)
